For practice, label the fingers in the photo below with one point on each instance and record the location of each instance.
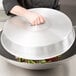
(41, 19)
(34, 18)
(38, 20)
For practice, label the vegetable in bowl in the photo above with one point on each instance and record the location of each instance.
(38, 61)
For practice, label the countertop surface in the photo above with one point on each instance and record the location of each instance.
(67, 69)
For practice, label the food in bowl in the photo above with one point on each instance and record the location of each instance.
(38, 61)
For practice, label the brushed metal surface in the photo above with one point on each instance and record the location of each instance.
(48, 40)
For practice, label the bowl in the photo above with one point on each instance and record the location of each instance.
(12, 59)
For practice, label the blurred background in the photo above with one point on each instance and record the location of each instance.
(67, 6)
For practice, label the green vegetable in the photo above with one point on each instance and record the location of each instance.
(42, 61)
(31, 61)
(38, 61)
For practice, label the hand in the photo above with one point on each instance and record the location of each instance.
(34, 18)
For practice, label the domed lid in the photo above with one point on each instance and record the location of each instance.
(43, 41)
